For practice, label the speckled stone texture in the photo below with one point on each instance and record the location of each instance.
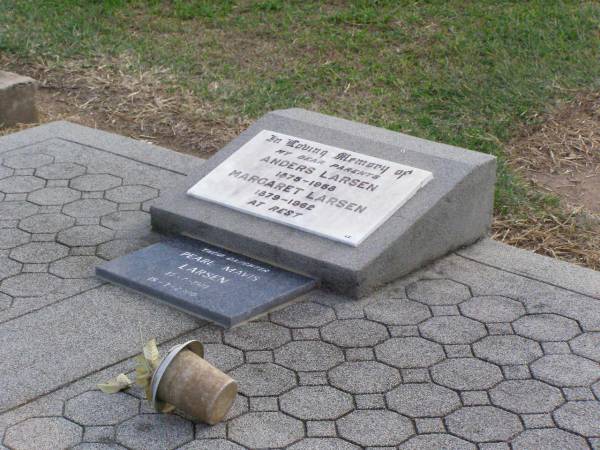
(468, 353)
(458, 199)
(17, 99)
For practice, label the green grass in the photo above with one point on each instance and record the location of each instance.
(467, 73)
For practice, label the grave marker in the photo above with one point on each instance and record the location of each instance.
(429, 199)
(206, 281)
(324, 190)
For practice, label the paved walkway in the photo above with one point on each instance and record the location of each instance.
(490, 347)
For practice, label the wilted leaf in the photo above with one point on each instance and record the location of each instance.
(166, 408)
(143, 372)
(142, 367)
(151, 353)
(116, 384)
(148, 391)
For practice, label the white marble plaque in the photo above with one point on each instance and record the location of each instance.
(328, 191)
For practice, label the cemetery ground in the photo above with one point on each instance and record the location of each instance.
(488, 347)
(518, 80)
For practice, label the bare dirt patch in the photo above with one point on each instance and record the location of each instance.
(561, 157)
(114, 96)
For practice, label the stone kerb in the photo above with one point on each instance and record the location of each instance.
(17, 99)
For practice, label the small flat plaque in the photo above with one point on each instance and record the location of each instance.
(328, 191)
(205, 281)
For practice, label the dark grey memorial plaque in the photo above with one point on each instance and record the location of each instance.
(205, 281)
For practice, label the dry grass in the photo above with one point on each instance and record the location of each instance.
(115, 95)
(560, 156)
(567, 141)
(572, 236)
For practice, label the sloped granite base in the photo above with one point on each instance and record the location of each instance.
(452, 210)
(205, 281)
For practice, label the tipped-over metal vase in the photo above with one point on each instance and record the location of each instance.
(187, 381)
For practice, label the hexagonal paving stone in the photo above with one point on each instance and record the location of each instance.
(54, 196)
(39, 252)
(493, 308)
(409, 352)
(43, 432)
(397, 312)
(596, 389)
(302, 315)
(120, 247)
(60, 171)
(8, 267)
(580, 417)
(364, 377)
(17, 210)
(354, 333)
(265, 430)
(223, 356)
(5, 172)
(548, 438)
(155, 431)
(508, 349)
(526, 396)
(438, 292)
(27, 160)
(31, 284)
(452, 330)
(5, 301)
(422, 400)
(466, 374)
(126, 220)
(84, 235)
(546, 327)
(316, 403)
(12, 237)
(436, 441)
(240, 406)
(97, 446)
(75, 266)
(95, 182)
(323, 444)
(212, 444)
(263, 379)
(131, 194)
(566, 370)
(588, 345)
(97, 408)
(89, 207)
(46, 223)
(308, 355)
(20, 184)
(484, 424)
(257, 336)
(376, 427)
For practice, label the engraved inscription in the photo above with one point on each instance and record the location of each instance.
(192, 272)
(324, 190)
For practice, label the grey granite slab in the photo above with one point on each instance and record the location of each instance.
(314, 374)
(452, 210)
(549, 270)
(151, 155)
(57, 323)
(206, 281)
(42, 350)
